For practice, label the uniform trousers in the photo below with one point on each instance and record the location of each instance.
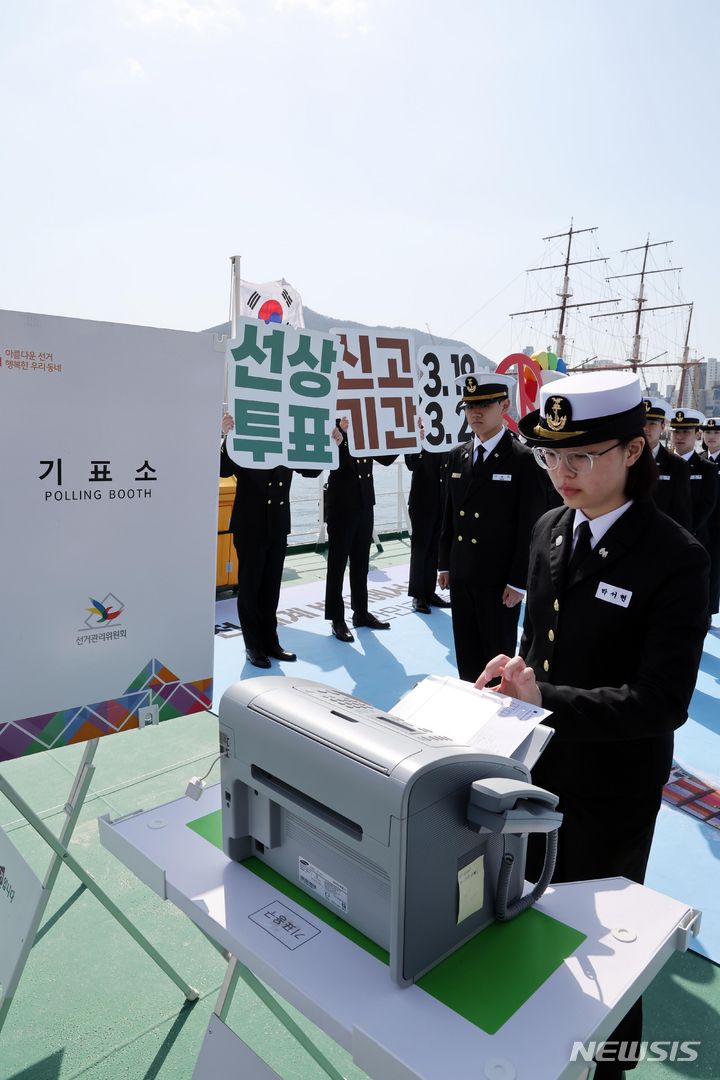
(483, 626)
(424, 544)
(349, 538)
(715, 580)
(260, 567)
(599, 839)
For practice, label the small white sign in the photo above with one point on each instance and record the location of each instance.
(290, 929)
(471, 888)
(501, 476)
(20, 893)
(326, 887)
(613, 594)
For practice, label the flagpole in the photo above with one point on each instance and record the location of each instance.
(234, 311)
(235, 305)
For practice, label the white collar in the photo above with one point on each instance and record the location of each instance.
(686, 457)
(599, 525)
(490, 444)
(655, 449)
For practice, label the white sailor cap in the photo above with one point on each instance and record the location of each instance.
(657, 408)
(586, 408)
(685, 418)
(485, 387)
(712, 423)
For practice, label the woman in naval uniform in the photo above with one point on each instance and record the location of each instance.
(614, 626)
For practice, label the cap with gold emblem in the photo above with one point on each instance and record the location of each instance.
(587, 408)
(485, 387)
(657, 409)
(683, 419)
(712, 423)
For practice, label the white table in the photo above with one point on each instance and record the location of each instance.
(395, 1033)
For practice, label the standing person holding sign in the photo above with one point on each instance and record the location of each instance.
(350, 516)
(426, 506)
(615, 620)
(259, 523)
(495, 495)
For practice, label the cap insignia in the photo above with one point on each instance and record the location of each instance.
(557, 413)
(471, 385)
(680, 415)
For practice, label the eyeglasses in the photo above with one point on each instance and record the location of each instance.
(576, 463)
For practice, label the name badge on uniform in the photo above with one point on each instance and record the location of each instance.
(664, 476)
(501, 476)
(613, 594)
(696, 476)
(456, 475)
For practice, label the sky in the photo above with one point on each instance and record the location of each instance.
(397, 161)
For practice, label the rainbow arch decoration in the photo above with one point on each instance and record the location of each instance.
(155, 684)
(531, 373)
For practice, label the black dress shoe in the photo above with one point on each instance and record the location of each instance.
(437, 601)
(278, 653)
(257, 658)
(421, 606)
(340, 630)
(370, 620)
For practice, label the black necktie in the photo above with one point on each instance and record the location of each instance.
(477, 464)
(583, 548)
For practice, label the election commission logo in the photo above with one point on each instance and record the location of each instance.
(102, 623)
(103, 612)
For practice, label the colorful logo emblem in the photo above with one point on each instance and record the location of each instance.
(104, 611)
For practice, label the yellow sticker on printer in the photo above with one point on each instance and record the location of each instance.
(322, 885)
(471, 888)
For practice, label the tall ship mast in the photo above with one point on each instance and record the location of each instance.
(565, 293)
(686, 389)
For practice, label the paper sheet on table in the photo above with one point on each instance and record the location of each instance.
(490, 722)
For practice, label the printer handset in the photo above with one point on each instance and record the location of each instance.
(506, 806)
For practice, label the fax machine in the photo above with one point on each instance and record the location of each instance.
(416, 841)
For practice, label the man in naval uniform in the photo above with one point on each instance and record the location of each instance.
(672, 492)
(685, 426)
(496, 493)
(350, 515)
(260, 524)
(711, 438)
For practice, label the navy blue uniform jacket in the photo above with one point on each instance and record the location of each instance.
(617, 671)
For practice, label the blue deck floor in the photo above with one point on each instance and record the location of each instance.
(92, 1005)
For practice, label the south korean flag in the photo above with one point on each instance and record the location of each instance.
(273, 302)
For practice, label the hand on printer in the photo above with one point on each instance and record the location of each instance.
(516, 679)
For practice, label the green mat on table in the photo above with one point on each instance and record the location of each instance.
(486, 980)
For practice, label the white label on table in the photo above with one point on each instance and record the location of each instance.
(326, 887)
(471, 883)
(284, 924)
